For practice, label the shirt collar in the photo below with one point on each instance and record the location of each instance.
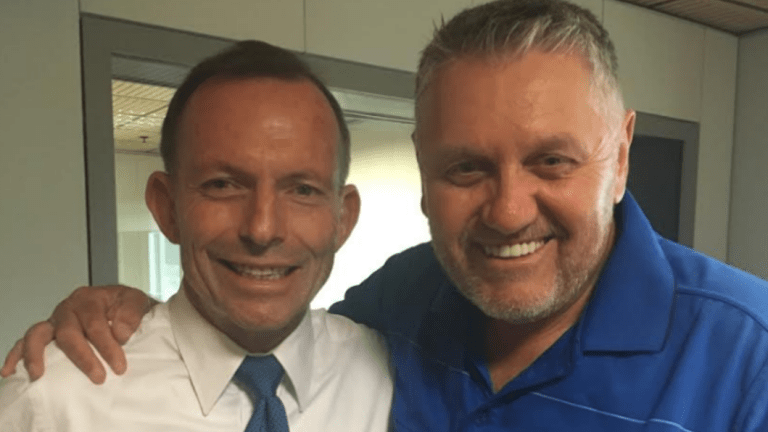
(296, 355)
(211, 358)
(630, 309)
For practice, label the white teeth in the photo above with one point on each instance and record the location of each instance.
(514, 251)
(262, 273)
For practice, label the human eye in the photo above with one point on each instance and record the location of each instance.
(465, 173)
(306, 190)
(216, 184)
(553, 165)
(307, 193)
(552, 160)
(220, 188)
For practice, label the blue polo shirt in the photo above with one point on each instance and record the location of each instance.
(671, 340)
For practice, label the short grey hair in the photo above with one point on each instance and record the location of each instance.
(515, 27)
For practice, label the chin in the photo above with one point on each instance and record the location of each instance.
(518, 309)
(267, 319)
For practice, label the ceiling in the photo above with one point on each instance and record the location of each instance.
(733, 16)
(138, 111)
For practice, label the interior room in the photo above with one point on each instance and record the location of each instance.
(85, 85)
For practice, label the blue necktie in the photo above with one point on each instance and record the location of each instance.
(261, 376)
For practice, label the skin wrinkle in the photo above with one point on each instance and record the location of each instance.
(259, 171)
(574, 268)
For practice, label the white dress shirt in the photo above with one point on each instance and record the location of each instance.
(179, 378)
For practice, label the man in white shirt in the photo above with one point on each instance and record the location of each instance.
(256, 155)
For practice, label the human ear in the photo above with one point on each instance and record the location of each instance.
(350, 211)
(624, 139)
(423, 202)
(159, 199)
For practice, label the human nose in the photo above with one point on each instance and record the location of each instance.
(511, 204)
(262, 225)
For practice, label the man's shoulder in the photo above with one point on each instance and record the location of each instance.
(341, 331)
(344, 347)
(718, 336)
(62, 379)
(702, 278)
(401, 289)
(415, 264)
(65, 399)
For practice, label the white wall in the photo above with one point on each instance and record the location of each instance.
(280, 22)
(748, 233)
(134, 221)
(716, 124)
(42, 215)
(678, 69)
(385, 171)
(133, 259)
(131, 174)
(384, 33)
(660, 60)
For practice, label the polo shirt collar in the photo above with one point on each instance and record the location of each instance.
(631, 306)
(212, 358)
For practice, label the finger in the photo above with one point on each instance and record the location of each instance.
(12, 359)
(70, 337)
(128, 311)
(35, 340)
(99, 332)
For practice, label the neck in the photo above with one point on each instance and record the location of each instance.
(511, 347)
(252, 337)
(261, 341)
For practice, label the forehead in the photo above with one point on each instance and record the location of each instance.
(542, 94)
(224, 114)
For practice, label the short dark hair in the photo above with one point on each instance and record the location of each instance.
(248, 59)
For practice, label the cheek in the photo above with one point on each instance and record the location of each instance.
(208, 221)
(450, 209)
(581, 206)
(458, 202)
(315, 229)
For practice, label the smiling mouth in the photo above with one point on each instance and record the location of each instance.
(259, 272)
(514, 251)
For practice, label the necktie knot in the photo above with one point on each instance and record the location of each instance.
(261, 376)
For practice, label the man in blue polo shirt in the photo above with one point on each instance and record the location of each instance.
(545, 300)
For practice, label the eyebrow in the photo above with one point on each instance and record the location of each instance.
(227, 168)
(303, 175)
(291, 176)
(450, 153)
(561, 142)
(461, 150)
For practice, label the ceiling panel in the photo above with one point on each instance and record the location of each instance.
(733, 16)
(138, 111)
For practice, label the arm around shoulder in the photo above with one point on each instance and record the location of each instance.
(375, 300)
